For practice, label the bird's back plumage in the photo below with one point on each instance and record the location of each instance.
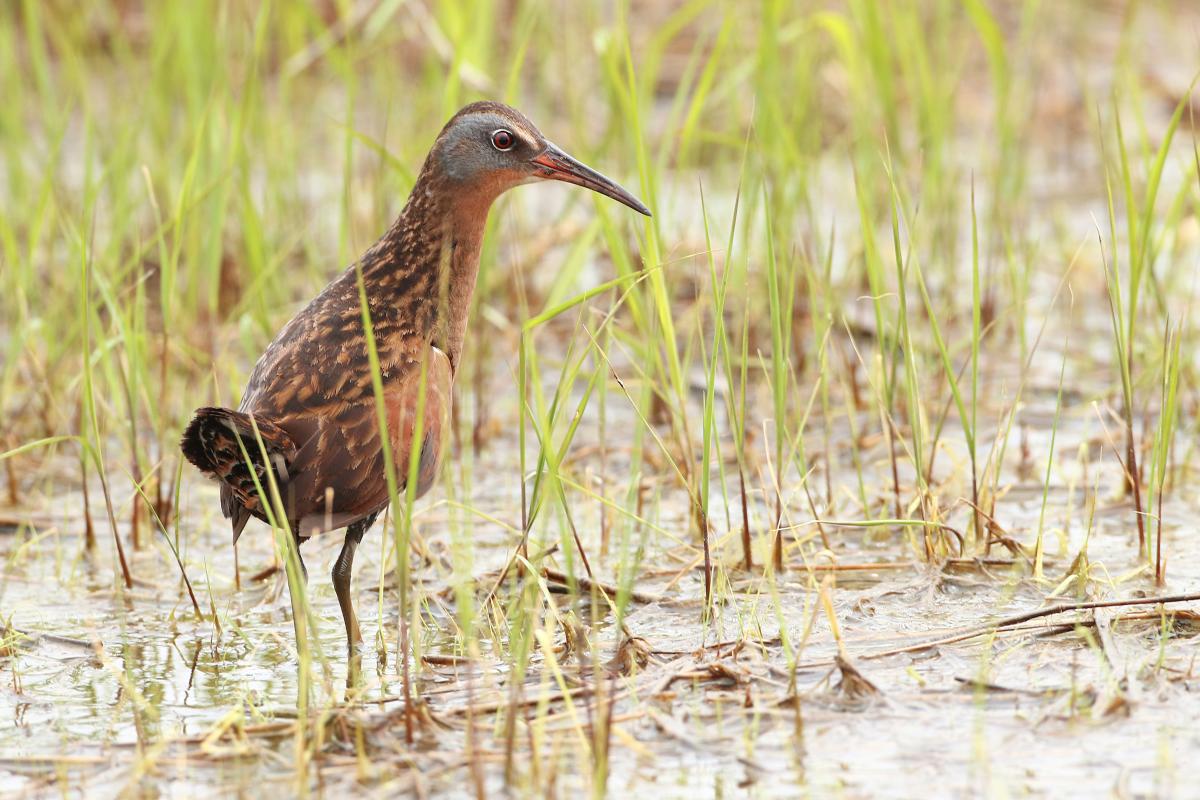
(314, 382)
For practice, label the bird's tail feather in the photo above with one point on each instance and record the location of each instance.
(211, 443)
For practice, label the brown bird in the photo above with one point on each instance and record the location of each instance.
(311, 394)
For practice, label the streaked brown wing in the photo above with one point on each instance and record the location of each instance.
(338, 476)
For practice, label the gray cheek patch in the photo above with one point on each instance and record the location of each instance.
(467, 151)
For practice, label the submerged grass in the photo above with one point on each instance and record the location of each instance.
(816, 365)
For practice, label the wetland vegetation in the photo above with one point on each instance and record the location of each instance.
(865, 468)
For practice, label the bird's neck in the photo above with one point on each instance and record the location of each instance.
(423, 270)
(463, 236)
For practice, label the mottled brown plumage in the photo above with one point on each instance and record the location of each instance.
(311, 394)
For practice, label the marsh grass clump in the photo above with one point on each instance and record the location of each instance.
(896, 383)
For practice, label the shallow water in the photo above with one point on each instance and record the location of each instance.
(121, 688)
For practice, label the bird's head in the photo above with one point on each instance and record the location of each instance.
(493, 147)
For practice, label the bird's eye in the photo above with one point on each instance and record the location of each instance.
(503, 140)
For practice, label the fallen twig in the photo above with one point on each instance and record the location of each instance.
(1017, 619)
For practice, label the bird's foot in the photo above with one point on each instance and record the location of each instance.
(354, 673)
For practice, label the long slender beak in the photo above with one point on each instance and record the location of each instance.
(555, 165)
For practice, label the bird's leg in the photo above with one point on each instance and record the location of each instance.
(342, 569)
(341, 584)
(297, 541)
(303, 567)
